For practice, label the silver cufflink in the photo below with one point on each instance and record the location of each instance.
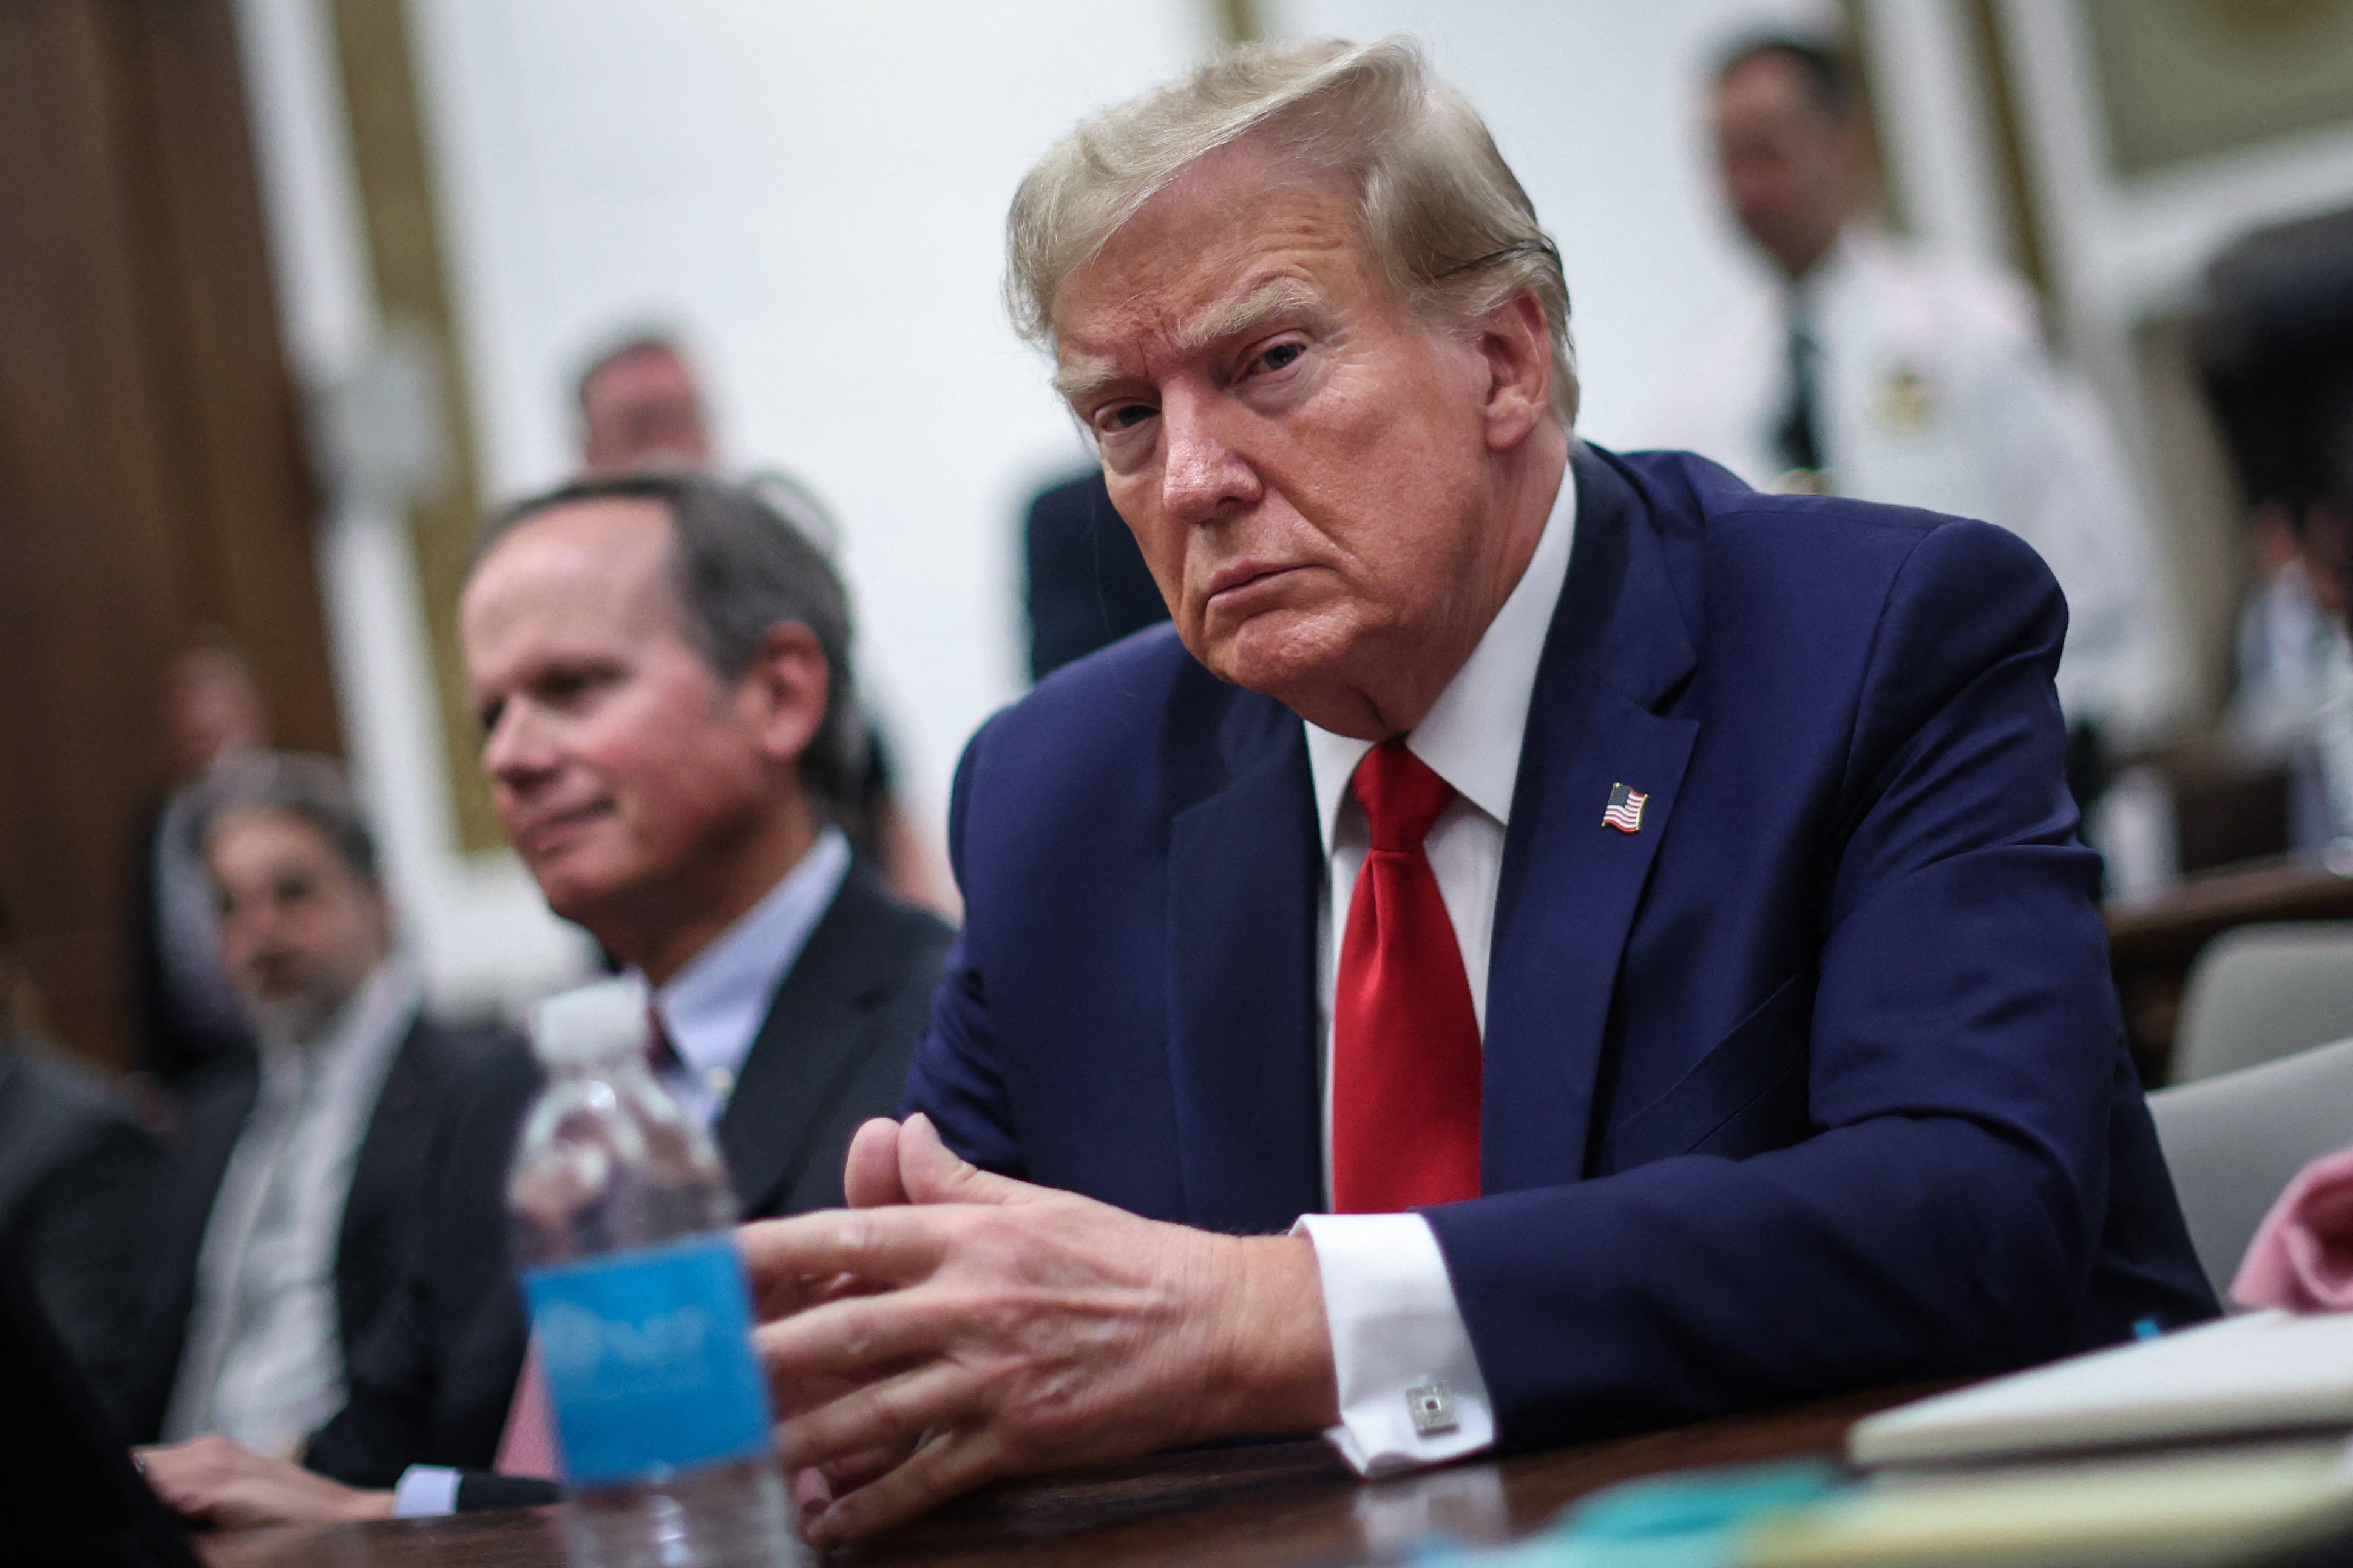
(1432, 1404)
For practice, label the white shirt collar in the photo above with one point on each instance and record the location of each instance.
(1470, 736)
(714, 1007)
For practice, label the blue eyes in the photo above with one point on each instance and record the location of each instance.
(1281, 354)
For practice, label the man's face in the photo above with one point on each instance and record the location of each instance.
(1788, 167)
(627, 772)
(210, 709)
(642, 410)
(300, 929)
(1303, 462)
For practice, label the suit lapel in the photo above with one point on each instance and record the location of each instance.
(1245, 867)
(1617, 651)
(815, 1027)
(391, 1152)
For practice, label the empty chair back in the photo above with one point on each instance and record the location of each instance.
(2234, 1140)
(2263, 992)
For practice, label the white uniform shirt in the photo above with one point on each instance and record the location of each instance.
(264, 1361)
(1934, 390)
(1386, 1297)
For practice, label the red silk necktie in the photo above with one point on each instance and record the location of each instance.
(1404, 1038)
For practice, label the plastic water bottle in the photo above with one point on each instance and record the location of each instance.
(640, 1309)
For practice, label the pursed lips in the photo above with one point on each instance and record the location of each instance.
(1244, 575)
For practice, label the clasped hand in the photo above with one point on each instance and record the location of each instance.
(954, 1326)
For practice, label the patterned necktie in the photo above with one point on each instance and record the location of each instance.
(1404, 1038)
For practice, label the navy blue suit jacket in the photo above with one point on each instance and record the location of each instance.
(1818, 1080)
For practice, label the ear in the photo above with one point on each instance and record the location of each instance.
(785, 688)
(1517, 347)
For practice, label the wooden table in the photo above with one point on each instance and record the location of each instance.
(1277, 1504)
(2152, 944)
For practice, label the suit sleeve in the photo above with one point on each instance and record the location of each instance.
(80, 1251)
(1943, 1217)
(954, 1078)
(431, 1379)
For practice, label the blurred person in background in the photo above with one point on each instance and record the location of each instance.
(1086, 585)
(1872, 370)
(283, 1217)
(75, 1164)
(2276, 359)
(2291, 657)
(642, 411)
(189, 1013)
(663, 668)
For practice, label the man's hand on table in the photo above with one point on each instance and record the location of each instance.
(954, 1326)
(214, 1481)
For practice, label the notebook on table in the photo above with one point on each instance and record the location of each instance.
(2264, 1371)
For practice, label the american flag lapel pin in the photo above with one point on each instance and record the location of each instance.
(1624, 812)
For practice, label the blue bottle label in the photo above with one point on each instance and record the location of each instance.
(649, 1361)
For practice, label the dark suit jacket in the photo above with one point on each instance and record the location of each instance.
(75, 1169)
(1088, 583)
(1816, 1081)
(380, 1217)
(433, 1385)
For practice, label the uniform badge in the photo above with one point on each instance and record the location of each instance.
(1906, 404)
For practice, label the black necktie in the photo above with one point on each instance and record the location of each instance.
(1799, 439)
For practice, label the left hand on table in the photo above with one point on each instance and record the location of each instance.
(214, 1481)
(954, 1326)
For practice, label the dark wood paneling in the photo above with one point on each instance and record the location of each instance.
(150, 472)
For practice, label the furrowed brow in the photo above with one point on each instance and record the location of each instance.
(1238, 318)
(1080, 379)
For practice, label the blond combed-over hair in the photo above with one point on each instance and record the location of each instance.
(1444, 218)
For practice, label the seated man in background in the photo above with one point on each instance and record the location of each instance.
(284, 1215)
(74, 1166)
(1671, 953)
(662, 669)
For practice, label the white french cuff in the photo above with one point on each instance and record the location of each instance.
(426, 1491)
(1410, 1393)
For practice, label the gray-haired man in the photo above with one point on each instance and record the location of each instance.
(1550, 943)
(288, 1206)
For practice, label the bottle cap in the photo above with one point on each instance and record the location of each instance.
(591, 1024)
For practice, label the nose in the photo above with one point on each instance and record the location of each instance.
(520, 747)
(1203, 472)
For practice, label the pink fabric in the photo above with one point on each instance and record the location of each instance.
(527, 1447)
(2302, 1257)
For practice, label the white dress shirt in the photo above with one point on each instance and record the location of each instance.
(711, 1009)
(264, 1360)
(1389, 1303)
(1934, 390)
(714, 1007)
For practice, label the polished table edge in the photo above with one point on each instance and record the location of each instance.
(1247, 1505)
